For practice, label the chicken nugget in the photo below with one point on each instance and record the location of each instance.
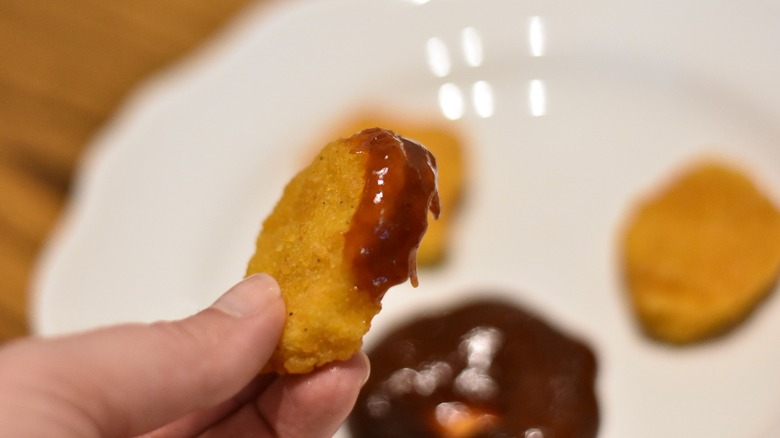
(447, 144)
(345, 230)
(700, 255)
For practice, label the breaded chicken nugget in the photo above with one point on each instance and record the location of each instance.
(345, 230)
(700, 255)
(447, 144)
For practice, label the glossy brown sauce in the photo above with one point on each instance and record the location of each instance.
(487, 369)
(400, 189)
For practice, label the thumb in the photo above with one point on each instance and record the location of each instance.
(128, 379)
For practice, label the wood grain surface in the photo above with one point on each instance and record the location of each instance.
(64, 68)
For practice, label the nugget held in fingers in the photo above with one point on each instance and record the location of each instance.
(346, 229)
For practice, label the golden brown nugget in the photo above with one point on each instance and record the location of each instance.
(701, 254)
(448, 146)
(345, 230)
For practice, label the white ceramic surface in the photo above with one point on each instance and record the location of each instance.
(593, 103)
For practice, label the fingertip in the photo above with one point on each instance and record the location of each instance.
(324, 398)
(266, 282)
(351, 374)
(252, 295)
(362, 366)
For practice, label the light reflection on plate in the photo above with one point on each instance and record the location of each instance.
(574, 110)
(452, 100)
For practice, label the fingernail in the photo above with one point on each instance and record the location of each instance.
(366, 360)
(249, 296)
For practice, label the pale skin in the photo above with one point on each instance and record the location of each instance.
(193, 377)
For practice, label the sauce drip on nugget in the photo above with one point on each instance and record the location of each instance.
(346, 230)
(386, 230)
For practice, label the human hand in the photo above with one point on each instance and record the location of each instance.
(194, 377)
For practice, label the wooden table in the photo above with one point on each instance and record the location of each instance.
(64, 68)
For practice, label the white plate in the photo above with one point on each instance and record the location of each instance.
(173, 192)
